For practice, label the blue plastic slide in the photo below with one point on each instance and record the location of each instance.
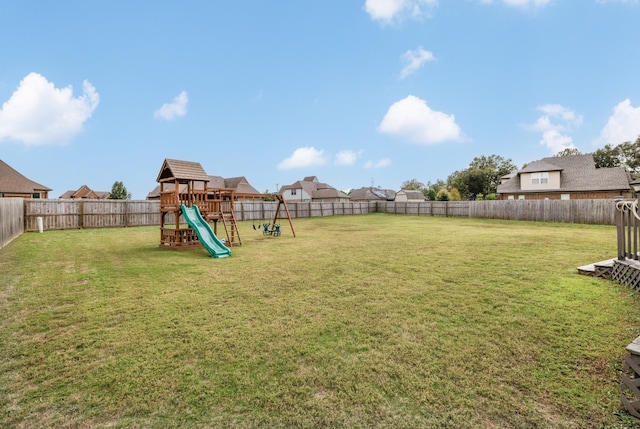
(204, 232)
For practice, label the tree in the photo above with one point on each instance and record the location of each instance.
(459, 180)
(629, 155)
(481, 177)
(413, 185)
(568, 151)
(119, 192)
(431, 189)
(454, 195)
(606, 157)
(625, 155)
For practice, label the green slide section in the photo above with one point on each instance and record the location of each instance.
(204, 232)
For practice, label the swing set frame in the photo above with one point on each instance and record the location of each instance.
(275, 231)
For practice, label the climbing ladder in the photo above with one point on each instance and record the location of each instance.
(231, 228)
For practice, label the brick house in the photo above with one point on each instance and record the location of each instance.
(85, 192)
(15, 185)
(565, 178)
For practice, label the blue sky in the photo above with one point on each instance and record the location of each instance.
(354, 92)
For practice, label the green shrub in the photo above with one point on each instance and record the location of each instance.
(443, 195)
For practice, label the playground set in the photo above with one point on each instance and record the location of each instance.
(185, 194)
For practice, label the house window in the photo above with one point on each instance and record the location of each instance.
(539, 178)
(511, 197)
(521, 197)
(36, 195)
(565, 197)
(293, 192)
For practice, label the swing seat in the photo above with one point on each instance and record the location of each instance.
(266, 230)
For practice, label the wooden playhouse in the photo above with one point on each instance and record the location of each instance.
(186, 183)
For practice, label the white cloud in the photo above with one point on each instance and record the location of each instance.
(304, 157)
(557, 111)
(38, 113)
(519, 3)
(623, 125)
(555, 124)
(388, 10)
(178, 107)
(385, 162)
(413, 120)
(556, 141)
(414, 60)
(347, 157)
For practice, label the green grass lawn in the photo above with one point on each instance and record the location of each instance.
(360, 321)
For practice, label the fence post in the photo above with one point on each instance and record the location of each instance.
(25, 214)
(81, 214)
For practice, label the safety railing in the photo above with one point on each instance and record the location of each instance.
(627, 224)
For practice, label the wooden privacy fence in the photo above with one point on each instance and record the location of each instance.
(597, 212)
(265, 210)
(72, 214)
(18, 215)
(426, 208)
(11, 219)
(75, 214)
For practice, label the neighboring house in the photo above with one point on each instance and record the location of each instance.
(372, 194)
(407, 195)
(84, 192)
(310, 189)
(241, 187)
(14, 184)
(565, 178)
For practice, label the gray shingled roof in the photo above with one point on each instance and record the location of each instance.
(372, 194)
(217, 182)
(316, 189)
(577, 173)
(240, 185)
(13, 182)
(546, 165)
(413, 194)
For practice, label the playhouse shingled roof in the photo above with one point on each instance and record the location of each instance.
(173, 169)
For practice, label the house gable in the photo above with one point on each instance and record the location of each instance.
(572, 177)
(84, 192)
(540, 181)
(241, 186)
(14, 184)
